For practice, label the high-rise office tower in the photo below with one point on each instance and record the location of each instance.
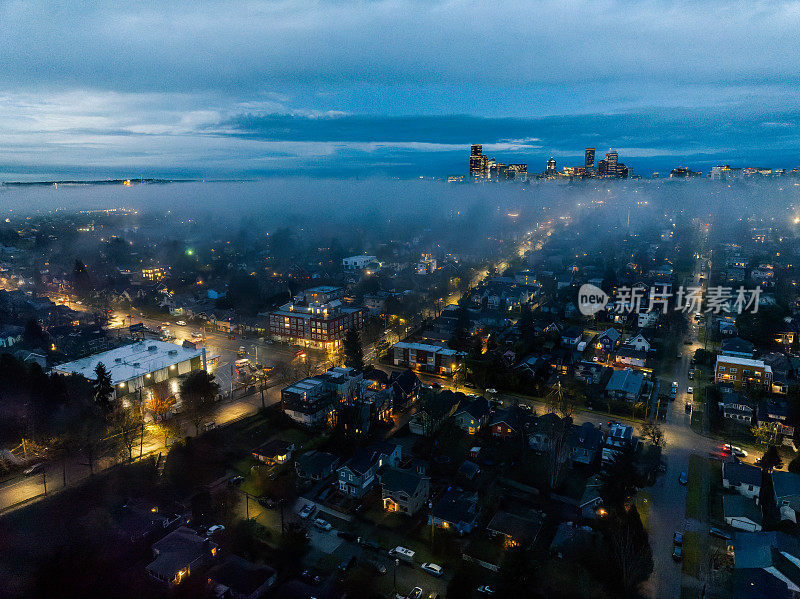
(477, 161)
(611, 159)
(551, 166)
(589, 159)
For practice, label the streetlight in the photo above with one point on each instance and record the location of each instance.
(396, 563)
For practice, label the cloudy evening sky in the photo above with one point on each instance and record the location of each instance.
(347, 87)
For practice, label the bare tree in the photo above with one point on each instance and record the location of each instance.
(562, 405)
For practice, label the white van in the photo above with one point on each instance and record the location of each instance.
(403, 553)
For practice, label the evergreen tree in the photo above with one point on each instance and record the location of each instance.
(353, 352)
(103, 388)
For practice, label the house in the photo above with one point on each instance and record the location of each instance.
(10, 335)
(471, 416)
(237, 578)
(584, 442)
(406, 387)
(620, 438)
(315, 465)
(787, 494)
(404, 491)
(140, 520)
(469, 470)
(358, 474)
(742, 478)
(737, 347)
(638, 342)
(177, 553)
(630, 356)
(741, 372)
(589, 372)
(541, 432)
(516, 530)
(625, 384)
(775, 553)
(572, 336)
(607, 340)
(433, 410)
(457, 510)
(736, 407)
(276, 451)
(741, 513)
(570, 539)
(505, 423)
(775, 413)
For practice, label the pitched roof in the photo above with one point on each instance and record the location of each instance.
(786, 484)
(740, 473)
(739, 506)
(515, 526)
(393, 479)
(240, 575)
(315, 461)
(180, 548)
(274, 448)
(478, 408)
(455, 506)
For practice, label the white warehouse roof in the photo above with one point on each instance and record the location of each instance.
(131, 361)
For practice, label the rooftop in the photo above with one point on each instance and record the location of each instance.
(131, 361)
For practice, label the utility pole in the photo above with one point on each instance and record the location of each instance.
(44, 480)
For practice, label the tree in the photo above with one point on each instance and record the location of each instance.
(561, 404)
(353, 353)
(103, 388)
(126, 430)
(766, 433)
(629, 549)
(651, 431)
(160, 401)
(771, 459)
(619, 480)
(198, 391)
(794, 465)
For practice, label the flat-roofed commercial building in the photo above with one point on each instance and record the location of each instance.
(138, 365)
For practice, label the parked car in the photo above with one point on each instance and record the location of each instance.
(242, 351)
(237, 480)
(690, 390)
(415, 593)
(181, 323)
(432, 569)
(215, 529)
(677, 538)
(687, 407)
(307, 510)
(491, 390)
(677, 553)
(735, 450)
(347, 536)
(322, 524)
(720, 534)
(683, 478)
(485, 589)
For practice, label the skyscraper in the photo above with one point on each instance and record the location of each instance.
(611, 159)
(477, 161)
(589, 159)
(551, 166)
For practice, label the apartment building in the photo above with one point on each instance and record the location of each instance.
(742, 372)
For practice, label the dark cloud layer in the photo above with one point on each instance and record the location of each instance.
(247, 88)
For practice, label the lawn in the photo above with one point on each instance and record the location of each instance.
(692, 553)
(643, 502)
(698, 488)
